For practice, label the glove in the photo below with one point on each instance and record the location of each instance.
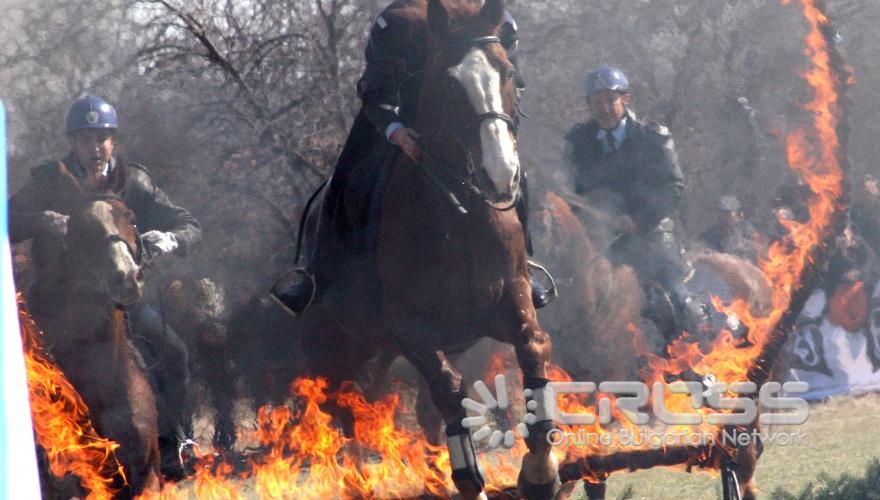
(159, 242)
(54, 223)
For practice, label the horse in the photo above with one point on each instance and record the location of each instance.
(450, 259)
(79, 302)
(600, 304)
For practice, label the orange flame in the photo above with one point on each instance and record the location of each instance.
(813, 153)
(305, 454)
(61, 422)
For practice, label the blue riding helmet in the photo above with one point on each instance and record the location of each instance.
(90, 112)
(606, 78)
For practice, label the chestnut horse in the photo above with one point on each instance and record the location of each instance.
(78, 302)
(450, 251)
(599, 302)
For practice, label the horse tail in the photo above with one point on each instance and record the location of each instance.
(304, 218)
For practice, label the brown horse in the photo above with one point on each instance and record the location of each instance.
(446, 277)
(599, 302)
(78, 302)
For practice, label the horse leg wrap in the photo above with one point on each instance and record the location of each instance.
(539, 420)
(463, 456)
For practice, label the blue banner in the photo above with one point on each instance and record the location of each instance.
(18, 463)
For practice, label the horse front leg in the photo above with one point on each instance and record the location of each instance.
(539, 475)
(447, 391)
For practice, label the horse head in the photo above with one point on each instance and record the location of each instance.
(104, 249)
(469, 98)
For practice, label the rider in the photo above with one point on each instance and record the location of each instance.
(628, 170)
(36, 212)
(732, 233)
(389, 90)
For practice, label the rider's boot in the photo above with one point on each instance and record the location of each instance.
(294, 290)
(541, 296)
(693, 315)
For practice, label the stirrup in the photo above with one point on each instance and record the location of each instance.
(278, 295)
(552, 292)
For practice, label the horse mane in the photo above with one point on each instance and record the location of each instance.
(745, 279)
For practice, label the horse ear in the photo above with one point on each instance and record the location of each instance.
(492, 13)
(438, 18)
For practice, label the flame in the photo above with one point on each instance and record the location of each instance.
(60, 418)
(305, 456)
(814, 153)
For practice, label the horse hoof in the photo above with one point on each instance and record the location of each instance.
(532, 491)
(469, 486)
(595, 491)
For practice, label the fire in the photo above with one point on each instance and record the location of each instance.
(305, 456)
(304, 453)
(814, 153)
(61, 422)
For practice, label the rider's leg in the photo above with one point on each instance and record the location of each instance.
(540, 295)
(658, 259)
(296, 289)
(167, 360)
(676, 271)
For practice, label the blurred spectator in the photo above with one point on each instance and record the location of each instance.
(866, 211)
(732, 233)
(852, 268)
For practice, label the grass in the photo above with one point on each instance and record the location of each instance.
(838, 461)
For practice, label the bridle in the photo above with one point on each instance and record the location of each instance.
(139, 251)
(470, 181)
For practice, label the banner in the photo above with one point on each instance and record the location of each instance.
(836, 348)
(18, 462)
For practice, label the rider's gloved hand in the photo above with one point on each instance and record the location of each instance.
(54, 223)
(407, 139)
(159, 242)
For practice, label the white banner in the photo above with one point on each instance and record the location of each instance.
(830, 357)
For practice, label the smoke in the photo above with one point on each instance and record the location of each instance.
(243, 155)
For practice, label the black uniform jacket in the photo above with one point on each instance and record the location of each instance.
(48, 189)
(642, 179)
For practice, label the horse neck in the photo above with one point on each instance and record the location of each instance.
(71, 306)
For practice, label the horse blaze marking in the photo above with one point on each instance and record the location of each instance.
(122, 258)
(483, 85)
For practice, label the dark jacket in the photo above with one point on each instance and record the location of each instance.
(395, 57)
(642, 179)
(48, 189)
